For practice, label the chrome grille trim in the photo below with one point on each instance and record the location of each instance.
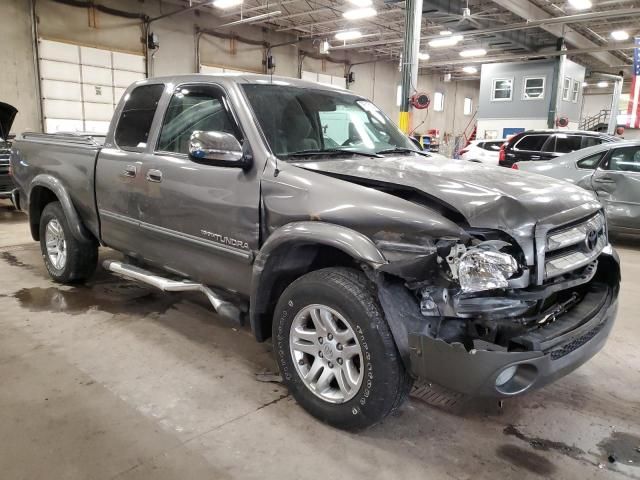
(575, 248)
(575, 234)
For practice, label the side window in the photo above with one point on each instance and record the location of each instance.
(566, 89)
(591, 162)
(493, 146)
(625, 159)
(568, 143)
(532, 143)
(194, 107)
(590, 142)
(135, 120)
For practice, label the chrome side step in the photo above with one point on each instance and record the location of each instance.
(222, 307)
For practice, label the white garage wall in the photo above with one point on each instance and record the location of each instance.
(81, 85)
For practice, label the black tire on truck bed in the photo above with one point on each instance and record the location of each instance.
(348, 292)
(81, 257)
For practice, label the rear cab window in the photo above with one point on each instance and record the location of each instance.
(134, 124)
(531, 143)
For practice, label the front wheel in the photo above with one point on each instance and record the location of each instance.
(335, 350)
(67, 259)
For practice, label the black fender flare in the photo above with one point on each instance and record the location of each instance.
(358, 246)
(55, 185)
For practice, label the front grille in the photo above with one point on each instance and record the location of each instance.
(573, 247)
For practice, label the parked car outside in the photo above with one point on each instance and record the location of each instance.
(482, 151)
(536, 145)
(7, 115)
(370, 265)
(611, 170)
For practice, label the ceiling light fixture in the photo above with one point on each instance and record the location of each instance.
(227, 3)
(446, 33)
(423, 56)
(473, 52)
(358, 13)
(361, 3)
(603, 84)
(580, 4)
(619, 35)
(470, 70)
(446, 41)
(348, 35)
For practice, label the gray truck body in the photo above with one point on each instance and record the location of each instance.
(251, 231)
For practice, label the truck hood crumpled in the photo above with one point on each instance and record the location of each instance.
(487, 197)
(7, 116)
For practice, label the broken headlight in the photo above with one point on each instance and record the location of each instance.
(481, 269)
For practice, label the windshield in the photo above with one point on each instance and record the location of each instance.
(298, 120)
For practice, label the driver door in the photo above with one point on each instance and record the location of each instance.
(617, 184)
(200, 220)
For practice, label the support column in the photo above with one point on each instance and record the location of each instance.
(411, 47)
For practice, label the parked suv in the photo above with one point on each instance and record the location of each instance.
(7, 114)
(547, 144)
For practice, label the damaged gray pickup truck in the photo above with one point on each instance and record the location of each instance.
(303, 208)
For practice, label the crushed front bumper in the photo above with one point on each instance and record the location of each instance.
(476, 372)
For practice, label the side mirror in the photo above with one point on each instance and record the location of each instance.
(217, 148)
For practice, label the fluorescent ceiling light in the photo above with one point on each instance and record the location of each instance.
(580, 4)
(446, 33)
(361, 3)
(603, 84)
(619, 35)
(473, 52)
(446, 41)
(227, 3)
(470, 69)
(348, 35)
(423, 56)
(585, 84)
(358, 13)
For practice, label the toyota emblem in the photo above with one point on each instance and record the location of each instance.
(591, 240)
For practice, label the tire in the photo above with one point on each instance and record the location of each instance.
(351, 303)
(76, 261)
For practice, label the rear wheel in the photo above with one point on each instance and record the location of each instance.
(67, 259)
(335, 350)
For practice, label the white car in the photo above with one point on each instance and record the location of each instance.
(482, 151)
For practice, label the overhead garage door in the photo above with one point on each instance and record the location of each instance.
(324, 78)
(214, 69)
(82, 85)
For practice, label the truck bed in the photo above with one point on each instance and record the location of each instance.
(70, 158)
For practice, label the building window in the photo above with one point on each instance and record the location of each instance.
(438, 102)
(468, 106)
(533, 88)
(502, 89)
(566, 89)
(575, 92)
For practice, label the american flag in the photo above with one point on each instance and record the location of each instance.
(633, 110)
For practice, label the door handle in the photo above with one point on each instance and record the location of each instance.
(604, 180)
(130, 171)
(535, 157)
(154, 176)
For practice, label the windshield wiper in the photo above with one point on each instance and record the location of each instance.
(331, 152)
(402, 150)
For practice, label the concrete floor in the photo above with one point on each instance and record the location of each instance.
(113, 380)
